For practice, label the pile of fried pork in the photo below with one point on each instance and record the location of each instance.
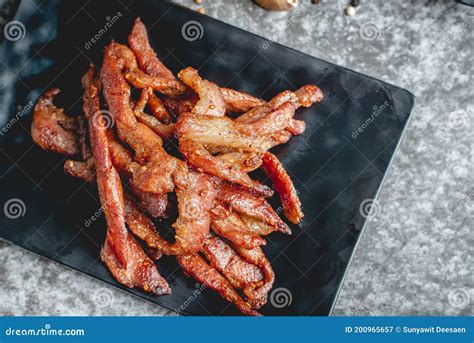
(222, 135)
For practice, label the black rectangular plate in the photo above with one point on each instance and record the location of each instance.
(333, 171)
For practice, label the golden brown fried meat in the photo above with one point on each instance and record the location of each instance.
(146, 56)
(162, 85)
(52, 129)
(296, 127)
(257, 226)
(240, 273)
(304, 96)
(154, 204)
(251, 205)
(165, 131)
(195, 266)
(238, 102)
(216, 131)
(155, 174)
(247, 162)
(273, 122)
(284, 187)
(196, 193)
(210, 101)
(225, 259)
(228, 224)
(158, 109)
(122, 254)
(81, 169)
(255, 256)
(198, 157)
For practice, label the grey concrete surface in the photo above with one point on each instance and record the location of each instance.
(416, 255)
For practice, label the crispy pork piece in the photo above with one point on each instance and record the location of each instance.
(247, 162)
(240, 273)
(296, 127)
(81, 169)
(227, 261)
(195, 266)
(158, 109)
(122, 254)
(198, 157)
(273, 122)
(155, 174)
(216, 131)
(146, 56)
(155, 204)
(228, 224)
(165, 131)
(255, 256)
(162, 85)
(196, 193)
(257, 226)
(242, 201)
(238, 102)
(304, 96)
(284, 187)
(52, 129)
(210, 101)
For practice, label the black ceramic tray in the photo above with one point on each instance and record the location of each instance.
(335, 167)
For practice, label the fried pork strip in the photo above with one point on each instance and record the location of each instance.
(251, 205)
(238, 272)
(238, 102)
(303, 97)
(284, 187)
(197, 156)
(229, 225)
(235, 101)
(155, 175)
(195, 266)
(146, 56)
(121, 253)
(53, 130)
(162, 130)
(210, 101)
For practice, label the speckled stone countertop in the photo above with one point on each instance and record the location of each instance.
(416, 256)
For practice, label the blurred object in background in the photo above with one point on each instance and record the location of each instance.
(277, 5)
